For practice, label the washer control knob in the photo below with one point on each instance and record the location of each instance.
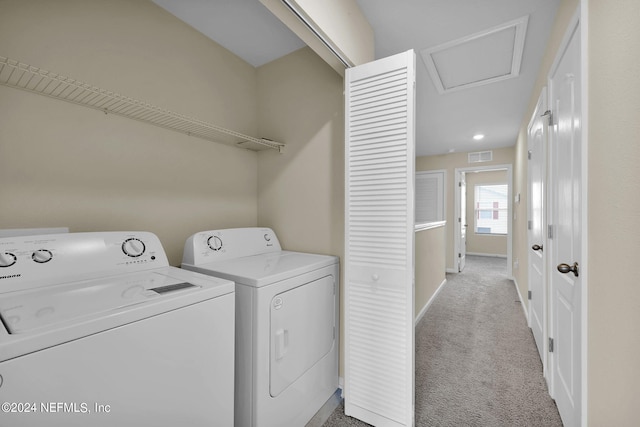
(41, 256)
(214, 243)
(7, 259)
(133, 247)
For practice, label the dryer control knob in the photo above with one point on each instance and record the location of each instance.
(133, 247)
(214, 243)
(41, 256)
(7, 259)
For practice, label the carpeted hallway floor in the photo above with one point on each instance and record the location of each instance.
(476, 361)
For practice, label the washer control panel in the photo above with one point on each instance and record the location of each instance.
(32, 261)
(220, 245)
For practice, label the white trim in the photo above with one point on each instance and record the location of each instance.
(429, 225)
(456, 192)
(522, 300)
(428, 304)
(520, 26)
(584, 270)
(325, 411)
(452, 271)
(487, 255)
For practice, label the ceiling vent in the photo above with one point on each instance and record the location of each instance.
(481, 156)
(479, 59)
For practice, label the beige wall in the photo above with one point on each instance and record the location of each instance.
(301, 192)
(340, 22)
(345, 25)
(430, 265)
(613, 64)
(65, 165)
(613, 212)
(450, 162)
(480, 243)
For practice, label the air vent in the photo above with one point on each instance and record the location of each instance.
(478, 59)
(480, 156)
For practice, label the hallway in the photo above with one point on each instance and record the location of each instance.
(476, 361)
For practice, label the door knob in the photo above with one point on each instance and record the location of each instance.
(566, 268)
(536, 247)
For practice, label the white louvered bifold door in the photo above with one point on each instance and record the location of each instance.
(379, 260)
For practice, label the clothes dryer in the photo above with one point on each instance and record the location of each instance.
(286, 323)
(98, 330)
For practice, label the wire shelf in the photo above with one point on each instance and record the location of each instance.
(33, 79)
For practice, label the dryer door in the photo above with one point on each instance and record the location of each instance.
(302, 331)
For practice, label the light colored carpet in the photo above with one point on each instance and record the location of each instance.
(476, 361)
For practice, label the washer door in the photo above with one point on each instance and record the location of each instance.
(302, 331)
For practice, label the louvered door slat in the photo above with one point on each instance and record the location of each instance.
(380, 152)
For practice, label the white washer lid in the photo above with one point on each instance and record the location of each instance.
(65, 304)
(265, 269)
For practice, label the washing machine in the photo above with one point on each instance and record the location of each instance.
(98, 330)
(286, 323)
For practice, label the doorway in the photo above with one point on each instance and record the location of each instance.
(487, 219)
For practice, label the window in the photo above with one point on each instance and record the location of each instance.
(429, 196)
(491, 209)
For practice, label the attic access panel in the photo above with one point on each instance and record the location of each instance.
(482, 58)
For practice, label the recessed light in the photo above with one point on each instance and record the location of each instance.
(478, 136)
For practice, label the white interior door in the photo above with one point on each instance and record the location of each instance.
(566, 219)
(379, 240)
(462, 222)
(537, 140)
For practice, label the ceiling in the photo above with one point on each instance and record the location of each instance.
(480, 84)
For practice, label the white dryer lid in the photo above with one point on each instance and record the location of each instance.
(71, 303)
(265, 269)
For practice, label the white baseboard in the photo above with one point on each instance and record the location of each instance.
(323, 414)
(428, 304)
(452, 270)
(489, 255)
(524, 302)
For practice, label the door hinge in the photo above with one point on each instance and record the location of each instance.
(550, 231)
(460, 220)
(550, 115)
(459, 255)
(459, 183)
(529, 225)
(529, 155)
(550, 345)
(529, 295)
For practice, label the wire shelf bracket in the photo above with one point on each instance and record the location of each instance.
(33, 79)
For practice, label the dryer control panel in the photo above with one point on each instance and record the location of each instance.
(41, 260)
(220, 245)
